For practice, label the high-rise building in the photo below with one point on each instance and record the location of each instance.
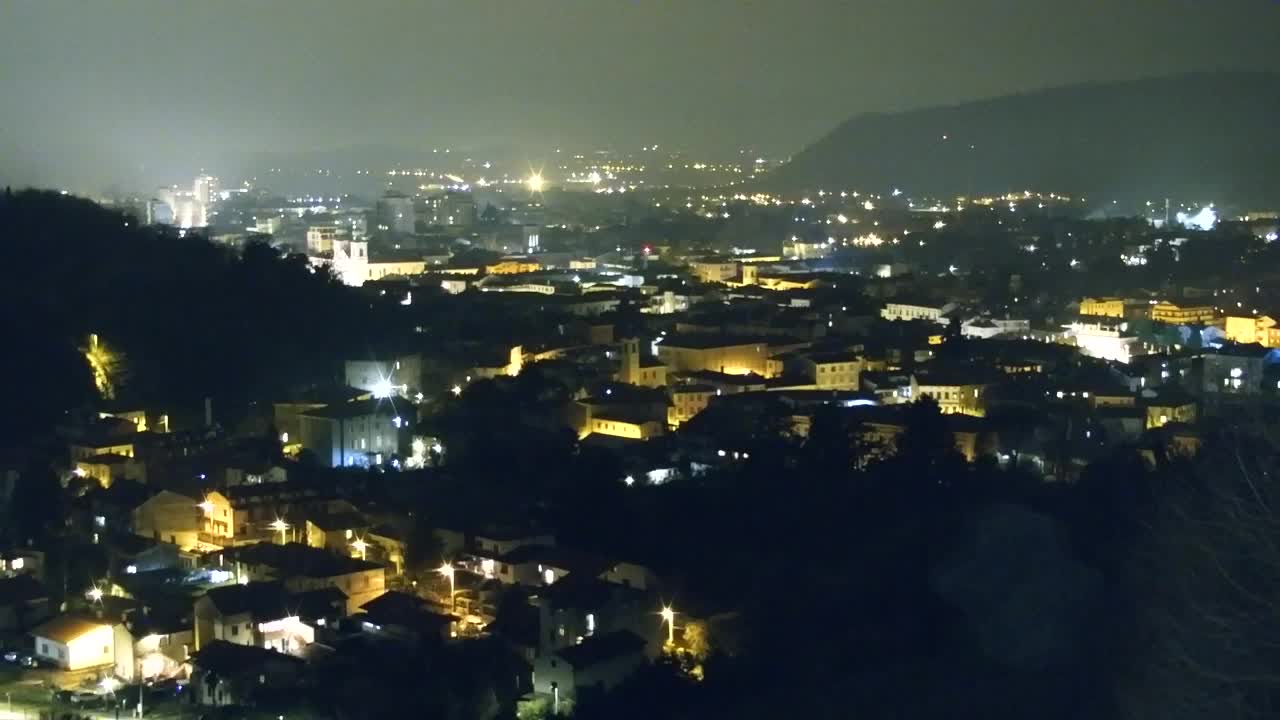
(395, 213)
(206, 189)
(320, 239)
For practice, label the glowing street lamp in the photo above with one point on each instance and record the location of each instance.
(94, 594)
(447, 570)
(360, 546)
(456, 390)
(280, 526)
(669, 617)
(206, 506)
(535, 182)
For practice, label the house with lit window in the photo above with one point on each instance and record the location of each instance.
(593, 667)
(109, 467)
(955, 390)
(832, 370)
(582, 606)
(190, 523)
(687, 401)
(1233, 371)
(301, 568)
(1168, 405)
(261, 614)
(361, 433)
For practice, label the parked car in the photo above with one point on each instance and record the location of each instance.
(11, 656)
(27, 661)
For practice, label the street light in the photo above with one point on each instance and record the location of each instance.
(669, 617)
(94, 594)
(360, 546)
(447, 570)
(280, 526)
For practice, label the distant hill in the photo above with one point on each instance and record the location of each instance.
(1207, 136)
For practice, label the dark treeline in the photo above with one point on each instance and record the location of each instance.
(191, 319)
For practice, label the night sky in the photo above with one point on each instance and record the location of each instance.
(138, 92)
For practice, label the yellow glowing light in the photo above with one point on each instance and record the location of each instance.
(535, 182)
(361, 547)
(94, 594)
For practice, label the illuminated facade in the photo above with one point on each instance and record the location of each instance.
(191, 524)
(1104, 342)
(952, 396)
(916, 311)
(687, 401)
(1167, 312)
(1249, 329)
(1103, 306)
(734, 356)
(833, 371)
(714, 271)
(638, 370)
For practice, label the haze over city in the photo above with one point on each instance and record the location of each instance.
(134, 94)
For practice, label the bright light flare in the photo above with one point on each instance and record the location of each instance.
(535, 182)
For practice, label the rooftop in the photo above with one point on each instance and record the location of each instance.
(602, 648)
(296, 559)
(67, 628)
(359, 408)
(230, 659)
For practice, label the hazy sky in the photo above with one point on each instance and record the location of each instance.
(139, 90)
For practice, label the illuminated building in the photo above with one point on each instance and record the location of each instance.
(360, 433)
(506, 362)
(200, 524)
(108, 468)
(832, 371)
(801, 250)
(1251, 329)
(985, 327)
(1233, 372)
(72, 642)
(953, 392)
(206, 189)
(394, 212)
(396, 375)
(714, 271)
(1107, 343)
(1167, 312)
(320, 239)
(685, 353)
(687, 401)
(1170, 405)
(1104, 307)
(638, 369)
(303, 569)
(513, 266)
(597, 664)
(256, 614)
(931, 312)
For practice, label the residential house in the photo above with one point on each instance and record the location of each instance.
(225, 673)
(109, 467)
(408, 617)
(190, 523)
(301, 568)
(595, 666)
(364, 432)
(76, 642)
(261, 614)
